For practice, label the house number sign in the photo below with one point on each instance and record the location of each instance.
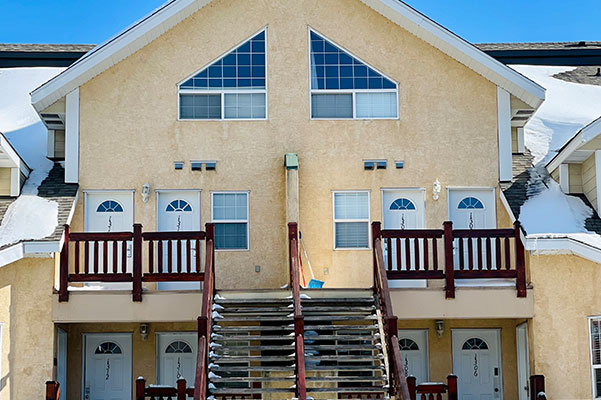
(476, 365)
(108, 369)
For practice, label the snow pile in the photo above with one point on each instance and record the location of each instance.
(550, 211)
(567, 109)
(28, 217)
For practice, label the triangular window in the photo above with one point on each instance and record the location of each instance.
(342, 86)
(233, 87)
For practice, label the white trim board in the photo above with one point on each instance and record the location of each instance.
(171, 13)
(583, 136)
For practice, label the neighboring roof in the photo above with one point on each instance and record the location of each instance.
(587, 75)
(585, 135)
(13, 55)
(52, 188)
(171, 13)
(550, 53)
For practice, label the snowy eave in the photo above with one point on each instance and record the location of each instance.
(171, 13)
(585, 135)
(584, 245)
(10, 158)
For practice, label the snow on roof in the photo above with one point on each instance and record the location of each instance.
(30, 216)
(568, 108)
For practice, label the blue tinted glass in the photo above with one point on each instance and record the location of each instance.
(235, 67)
(342, 71)
(230, 236)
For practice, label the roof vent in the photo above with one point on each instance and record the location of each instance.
(582, 44)
(598, 72)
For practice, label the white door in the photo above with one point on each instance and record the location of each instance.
(107, 367)
(176, 357)
(61, 362)
(403, 209)
(414, 353)
(107, 211)
(178, 211)
(477, 363)
(521, 334)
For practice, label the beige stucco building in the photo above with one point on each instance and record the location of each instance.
(331, 114)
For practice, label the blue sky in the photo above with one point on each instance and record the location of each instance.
(92, 21)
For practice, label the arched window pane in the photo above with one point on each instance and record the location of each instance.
(470, 203)
(402, 204)
(475, 344)
(178, 347)
(109, 206)
(108, 348)
(408, 344)
(179, 206)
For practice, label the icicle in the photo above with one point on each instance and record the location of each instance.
(212, 387)
(213, 375)
(217, 307)
(216, 315)
(212, 365)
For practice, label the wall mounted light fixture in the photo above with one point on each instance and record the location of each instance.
(439, 327)
(145, 192)
(144, 332)
(436, 189)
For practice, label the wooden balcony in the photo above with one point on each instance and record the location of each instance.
(133, 257)
(453, 254)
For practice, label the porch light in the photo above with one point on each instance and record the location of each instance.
(145, 192)
(439, 327)
(436, 189)
(144, 332)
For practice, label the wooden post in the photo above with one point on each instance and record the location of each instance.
(520, 263)
(181, 389)
(299, 335)
(376, 232)
(412, 385)
(452, 387)
(292, 236)
(63, 294)
(137, 276)
(52, 390)
(449, 268)
(140, 388)
(537, 385)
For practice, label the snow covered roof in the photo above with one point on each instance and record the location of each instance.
(172, 12)
(574, 150)
(10, 158)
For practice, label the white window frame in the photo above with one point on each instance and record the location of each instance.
(590, 348)
(352, 92)
(234, 221)
(335, 220)
(223, 92)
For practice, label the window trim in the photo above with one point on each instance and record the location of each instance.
(590, 349)
(234, 221)
(334, 221)
(223, 92)
(353, 92)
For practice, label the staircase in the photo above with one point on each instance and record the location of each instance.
(252, 345)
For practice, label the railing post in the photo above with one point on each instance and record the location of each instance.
(520, 262)
(181, 389)
(140, 388)
(412, 386)
(299, 334)
(292, 238)
(452, 387)
(63, 294)
(376, 233)
(449, 268)
(52, 390)
(537, 385)
(137, 275)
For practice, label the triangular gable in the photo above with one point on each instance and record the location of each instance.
(171, 13)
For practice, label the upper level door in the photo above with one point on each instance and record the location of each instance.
(403, 209)
(176, 358)
(414, 353)
(178, 211)
(109, 211)
(477, 363)
(107, 366)
(473, 208)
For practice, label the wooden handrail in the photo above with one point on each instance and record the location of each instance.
(52, 390)
(431, 389)
(179, 392)
(204, 321)
(398, 384)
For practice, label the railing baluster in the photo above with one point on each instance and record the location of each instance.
(86, 257)
(479, 240)
(470, 253)
(123, 256)
(416, 253)
(435, 253)
(197, 256)
(389, 258)
(105, 258)
(95, 256)
(188, 256)
(169, 256)
(498, 253)
(426, 255)
(115, 256)
(488, 254)
(179, 256)
(507, 254)
(151, 256)
(77, 257)
(399, 263)
(407, 255)
(160, 256)
(461, 254)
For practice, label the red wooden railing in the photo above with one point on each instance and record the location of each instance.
(52, 390)
(537, 387)
(204, 321)
(454, 254)
(180, 392)
(299, 320)
(433, 391)
(117, 257)
(397, 379)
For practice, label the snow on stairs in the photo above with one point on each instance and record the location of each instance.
(252, 346)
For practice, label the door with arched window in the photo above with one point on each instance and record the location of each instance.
(414, 353)
(107, 366)
(176, 357)
(178, 211)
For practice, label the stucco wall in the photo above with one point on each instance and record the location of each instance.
(143, 352)
(447, 130)
(27, 329)
(566, 293)
(441, 355)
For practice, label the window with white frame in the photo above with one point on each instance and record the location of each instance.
(351, 220)
(230, 215)
(233, 87)
(344, 87)
(595, 339)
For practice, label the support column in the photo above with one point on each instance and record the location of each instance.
(292, 198)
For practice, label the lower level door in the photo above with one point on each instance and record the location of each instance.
(521, 338)
(107, 366)
(477, 363)
(61, 361)
(176, 357)
(414, 353)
